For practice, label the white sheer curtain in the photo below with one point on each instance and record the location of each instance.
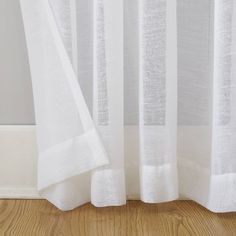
(115, 120)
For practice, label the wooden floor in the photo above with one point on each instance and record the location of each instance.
(38, 217)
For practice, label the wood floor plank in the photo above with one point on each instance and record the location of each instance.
(40, 218)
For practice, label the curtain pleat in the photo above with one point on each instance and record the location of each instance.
(158, 169)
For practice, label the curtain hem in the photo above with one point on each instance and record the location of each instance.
(70, 158)
(159, 183)
(216, 192)
(108, 188)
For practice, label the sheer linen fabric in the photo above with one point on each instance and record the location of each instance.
(115, 120)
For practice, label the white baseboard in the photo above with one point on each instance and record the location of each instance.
(19, 193)
(18, 162)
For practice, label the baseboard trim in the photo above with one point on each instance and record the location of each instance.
(19, 193)
(18, 162)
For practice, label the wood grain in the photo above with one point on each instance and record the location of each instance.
(38, 217)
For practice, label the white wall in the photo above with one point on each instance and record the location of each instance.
(18, 152)
(16, 103)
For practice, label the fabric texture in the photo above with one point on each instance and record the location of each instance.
(129, 107)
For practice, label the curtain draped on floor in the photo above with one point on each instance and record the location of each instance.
(129, 107)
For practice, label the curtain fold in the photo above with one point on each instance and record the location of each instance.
(115, 118)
